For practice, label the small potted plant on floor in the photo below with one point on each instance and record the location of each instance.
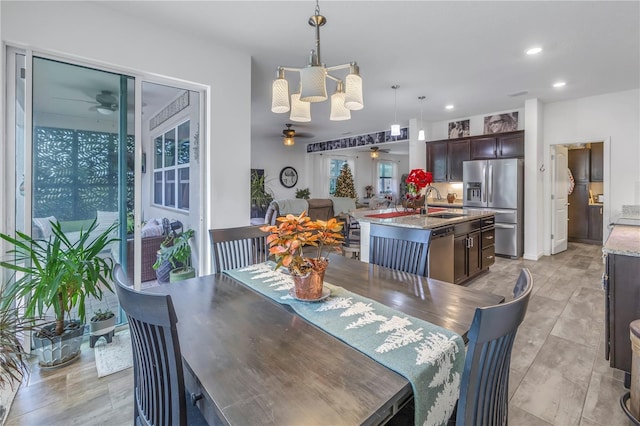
(102, 322)
(177, 251)
(58, 274)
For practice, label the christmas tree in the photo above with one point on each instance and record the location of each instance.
(344, 183)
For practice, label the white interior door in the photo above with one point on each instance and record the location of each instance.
(559, 198)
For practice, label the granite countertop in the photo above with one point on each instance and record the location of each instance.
(417, 221)
(624, 240)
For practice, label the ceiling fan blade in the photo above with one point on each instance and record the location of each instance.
(75, 100)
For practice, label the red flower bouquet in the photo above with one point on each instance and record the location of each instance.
(417, 180)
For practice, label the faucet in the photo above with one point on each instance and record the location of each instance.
(429, 189)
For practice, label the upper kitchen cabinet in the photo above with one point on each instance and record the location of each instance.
(457, 152)
(444, 159)
(597, 161)
(504, 145)
(437, 160)
(579, 164)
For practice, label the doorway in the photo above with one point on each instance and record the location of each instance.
(585, 188)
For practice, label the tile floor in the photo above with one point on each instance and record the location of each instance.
(558, 377)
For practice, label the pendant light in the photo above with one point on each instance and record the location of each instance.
(395, 128)
(421, 136)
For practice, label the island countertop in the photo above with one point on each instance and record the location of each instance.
(624, 240)
(418, 221)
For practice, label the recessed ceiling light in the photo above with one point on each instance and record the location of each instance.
(534, 50)
(559, 84)
(449, 107)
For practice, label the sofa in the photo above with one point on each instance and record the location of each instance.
(317, 208)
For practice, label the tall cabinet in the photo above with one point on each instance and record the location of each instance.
(585, 218)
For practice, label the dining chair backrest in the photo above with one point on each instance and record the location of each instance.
(403, 249)
(484, 388)
(159, 392)
(238, 247)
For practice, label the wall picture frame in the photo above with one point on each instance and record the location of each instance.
(288, 177)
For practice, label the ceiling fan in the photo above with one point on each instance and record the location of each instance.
(105, 102)
(374, 151)
(289, 134)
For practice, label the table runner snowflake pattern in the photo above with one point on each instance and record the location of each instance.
(429, 356)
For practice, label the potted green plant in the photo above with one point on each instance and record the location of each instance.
(303, 193)
(60, 274)
(13, 359)
(102, 322)
(261, 195)
(177, 251)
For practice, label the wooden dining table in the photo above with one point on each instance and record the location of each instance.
(249, 360)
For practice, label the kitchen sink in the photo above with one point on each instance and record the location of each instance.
(446, 215)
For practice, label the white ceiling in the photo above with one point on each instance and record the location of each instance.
(470, 54)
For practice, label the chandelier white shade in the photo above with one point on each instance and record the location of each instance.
(313, 83)
(339, 111)
(280, 98)
(300, 111)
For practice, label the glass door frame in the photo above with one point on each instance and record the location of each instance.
(8, 178)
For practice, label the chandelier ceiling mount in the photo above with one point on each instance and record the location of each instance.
(313, 84)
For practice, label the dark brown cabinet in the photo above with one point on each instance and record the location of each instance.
(437, 160)
(597, 162)
(595, 223)
(458, 152)
(579, 160)
(445, 157)
(622, 290)
(509, 145)
(473, 249)
(578, 226)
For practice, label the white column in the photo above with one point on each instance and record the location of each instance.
(534, 200)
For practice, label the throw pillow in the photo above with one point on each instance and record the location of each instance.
(150, 230)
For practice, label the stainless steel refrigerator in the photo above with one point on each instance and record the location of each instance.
(498, 185)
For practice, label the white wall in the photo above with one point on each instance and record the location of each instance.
(613, 118)
(69, 28)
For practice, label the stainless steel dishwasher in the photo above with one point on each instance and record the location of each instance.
(441, 254)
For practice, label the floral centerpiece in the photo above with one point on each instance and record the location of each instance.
(417, 181)
(287, 241)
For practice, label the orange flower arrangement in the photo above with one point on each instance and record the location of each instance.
(288, 238)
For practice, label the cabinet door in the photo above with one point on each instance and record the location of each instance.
(578, 226)
(437, 160)
(474, 254)
(458, 152)
(579, 160)
(511, 146)
(595, 223)
(483, 148)
(597, 159)
(460, 259)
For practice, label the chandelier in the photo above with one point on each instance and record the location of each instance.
(313, 85)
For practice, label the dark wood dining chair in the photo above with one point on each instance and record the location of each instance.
(484, 389)
(158, 378)
(403, 249)
(238, 247)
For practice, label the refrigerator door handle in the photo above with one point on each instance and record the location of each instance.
(504, 226)
(484, 183)
(490, 183)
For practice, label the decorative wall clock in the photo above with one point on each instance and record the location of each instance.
(288, 177)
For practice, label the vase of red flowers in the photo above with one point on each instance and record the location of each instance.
(417, 182)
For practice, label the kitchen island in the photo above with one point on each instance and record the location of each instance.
(622, 292)
(462, 239)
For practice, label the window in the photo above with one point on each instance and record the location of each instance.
(171, 168)
(385, 177)
(334, 172)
